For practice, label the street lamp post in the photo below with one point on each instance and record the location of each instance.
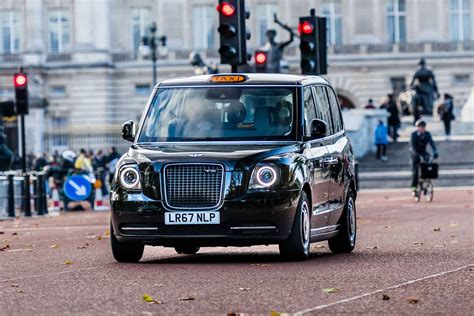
(150, 45)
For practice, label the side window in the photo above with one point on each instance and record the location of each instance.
(309, 110)
(323, 110)
(335, 110)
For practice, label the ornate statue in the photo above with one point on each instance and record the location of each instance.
(426, 90)
(274, 49)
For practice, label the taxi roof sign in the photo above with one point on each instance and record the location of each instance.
(227, 78)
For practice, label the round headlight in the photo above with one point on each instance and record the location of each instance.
(266, 176)
(129, 178)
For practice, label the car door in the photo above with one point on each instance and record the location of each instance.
(337, 148)
(320, 173)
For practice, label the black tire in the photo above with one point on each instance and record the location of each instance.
(125, 251)
(429, 192)
(187, 250)
(345, 241)
(296, 247)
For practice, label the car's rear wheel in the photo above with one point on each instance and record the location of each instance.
(296, 247)
(345, 241)
(187, 250)
(125, 251)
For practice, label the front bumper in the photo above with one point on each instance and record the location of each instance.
(250, 220)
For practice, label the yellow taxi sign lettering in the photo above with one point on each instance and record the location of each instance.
(228, 78)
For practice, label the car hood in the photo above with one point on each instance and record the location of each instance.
(234, 156)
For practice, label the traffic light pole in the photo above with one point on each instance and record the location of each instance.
(23, 145)
(233, 68)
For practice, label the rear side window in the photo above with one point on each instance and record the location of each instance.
(309, 110)
(323, 109)
(338, 124)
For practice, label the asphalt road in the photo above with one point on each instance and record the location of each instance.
(420, 257)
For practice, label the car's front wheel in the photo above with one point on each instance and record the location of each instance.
(345, 241)
(296, 247)
(125, 251)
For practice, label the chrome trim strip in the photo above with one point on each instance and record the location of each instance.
(172, 208)
(230, 85)
(252, 227)
(223, 142)
(132, 228)
(323, 230)
(340, 133)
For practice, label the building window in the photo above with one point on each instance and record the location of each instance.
(140, 23)
(142, 89)
(9, 32)
(59, 28)
(332, 12)
(204, 27)
(265, 20)
(59, 137)
(57, 91)
(396, 20)
(460, 20)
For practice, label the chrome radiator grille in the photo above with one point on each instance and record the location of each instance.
(193, 186)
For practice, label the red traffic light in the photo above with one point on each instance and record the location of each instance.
(305, 28)
(226, 9)
(19, 80)
(260, 58)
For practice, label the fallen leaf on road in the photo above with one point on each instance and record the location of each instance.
(67, 261)
(30, 245)
(452, 236)
(231, 314)
(453, 225)
(418, 243)
(55, 246)
(157, 284)
(186, 298)
(91, 236)
(15, 285)
(106, 234)
(20, 291)
(244, 288)
(437, 229)
(385, 297)
(7, 246)
(331, 290)
(147, 298)
(2, 233)
(439, 246)
(372, 247)
(14, 233)
(84, 246)
(388, 226)
(413, 300)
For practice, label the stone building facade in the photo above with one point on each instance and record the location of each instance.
(87, 75)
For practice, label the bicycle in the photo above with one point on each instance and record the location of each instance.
(427, 171)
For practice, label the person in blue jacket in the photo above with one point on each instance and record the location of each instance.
(381, 141)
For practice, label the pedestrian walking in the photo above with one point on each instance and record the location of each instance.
(394, 117)
(381, 141)
(446, 112)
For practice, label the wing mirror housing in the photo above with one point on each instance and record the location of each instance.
(129, 130)
(319, 129)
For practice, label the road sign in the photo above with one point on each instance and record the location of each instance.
(77, 188)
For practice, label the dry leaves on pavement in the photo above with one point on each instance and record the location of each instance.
(385, 297)
(147, 298)
(331, 290)
(186, 298)
(68, 262)
(55, 246)
(413, 300)
(3, 248)
(437, 229)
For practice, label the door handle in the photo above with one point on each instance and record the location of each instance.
(330, 161)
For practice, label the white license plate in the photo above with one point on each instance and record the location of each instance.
(190, 218)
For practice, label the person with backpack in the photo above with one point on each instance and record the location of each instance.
(446, 112)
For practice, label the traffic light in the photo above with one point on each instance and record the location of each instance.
(20, 82)
(313, 48)
(261, 58)
(233, 33)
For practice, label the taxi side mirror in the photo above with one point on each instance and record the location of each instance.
(319, 129)
(129, 131)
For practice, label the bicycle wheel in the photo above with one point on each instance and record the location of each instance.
(429, 191)
(417, 193)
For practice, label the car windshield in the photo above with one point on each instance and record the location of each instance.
(220, 113)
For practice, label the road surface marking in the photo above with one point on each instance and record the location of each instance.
(312, 309)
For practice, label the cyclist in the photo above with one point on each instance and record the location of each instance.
(418, 145)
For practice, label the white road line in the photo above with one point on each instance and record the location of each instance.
(437, 188)
(312, 309)
(404, 173)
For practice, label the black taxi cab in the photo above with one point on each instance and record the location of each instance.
(236, 160)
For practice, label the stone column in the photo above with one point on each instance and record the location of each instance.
(34, 39)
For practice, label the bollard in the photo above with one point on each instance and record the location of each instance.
(39, 204)
(11, 196)
(34, 197)
(26, 194)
